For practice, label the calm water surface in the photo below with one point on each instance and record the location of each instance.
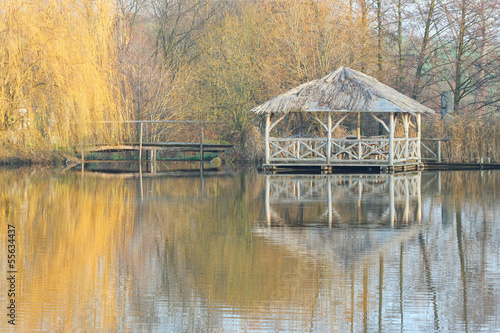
(249, 252)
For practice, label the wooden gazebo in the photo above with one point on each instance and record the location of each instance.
(332, 104)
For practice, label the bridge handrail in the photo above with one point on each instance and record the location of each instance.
(142, 122)
(437, 154)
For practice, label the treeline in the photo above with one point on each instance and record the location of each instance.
(67, 65)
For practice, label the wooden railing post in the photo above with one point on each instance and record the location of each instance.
(360, 152)
(140, 143)
(329, 142)
(419, 137)
(201, 143)
(268, 124)
(391, 139)
(406, 121)
(439, 151)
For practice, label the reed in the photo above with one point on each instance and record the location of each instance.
(472, 137)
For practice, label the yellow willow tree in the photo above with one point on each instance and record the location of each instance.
(57, 75)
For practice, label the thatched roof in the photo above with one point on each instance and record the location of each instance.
(342, 90)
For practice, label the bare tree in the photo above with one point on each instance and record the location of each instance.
(427, 12)
(178, 25)
(127, 12)
(468, 43)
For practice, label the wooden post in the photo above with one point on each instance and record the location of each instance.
(153, 160)
(268, 124)
(360, 153)
(406, 121)
(329, 142)
(201, 143)
(391, 139)
(439, 151)
(140, 144)
(419, 137)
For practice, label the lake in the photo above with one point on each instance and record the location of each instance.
(242, 251)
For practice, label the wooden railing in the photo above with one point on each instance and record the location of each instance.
(363, 150)
(344, 150)
(296, 149)
(434, 152)
(406, 150)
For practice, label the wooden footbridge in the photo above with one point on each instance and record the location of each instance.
(151, 144)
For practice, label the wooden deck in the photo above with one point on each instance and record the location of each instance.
(461, 166)
(317, 168)
(341, 168)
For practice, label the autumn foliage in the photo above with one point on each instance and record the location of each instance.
(58, 74)
(66, 66)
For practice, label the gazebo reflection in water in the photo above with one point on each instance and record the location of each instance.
(343, 200)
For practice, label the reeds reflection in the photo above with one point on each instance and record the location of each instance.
(179, 254)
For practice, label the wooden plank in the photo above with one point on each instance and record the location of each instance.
(297, 139)
(438, 139)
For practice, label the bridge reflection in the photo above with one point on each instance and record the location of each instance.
(327, 200)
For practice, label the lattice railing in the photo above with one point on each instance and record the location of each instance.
(370, 150)
(406, 150)
(363, 150)
(297, 149)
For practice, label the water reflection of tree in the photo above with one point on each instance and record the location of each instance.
(188, 258)
(68, 233)
(456, 255)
